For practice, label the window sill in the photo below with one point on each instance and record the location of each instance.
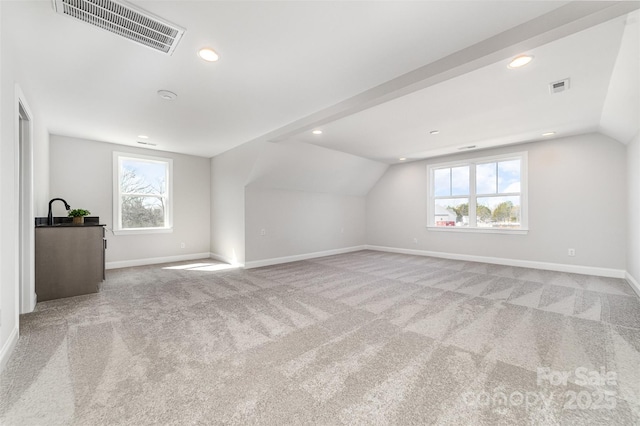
(521, 231)
(142, 231)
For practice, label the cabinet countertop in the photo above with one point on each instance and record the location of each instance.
(70, 225)
(67, 222)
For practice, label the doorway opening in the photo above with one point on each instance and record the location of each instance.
(26, 232)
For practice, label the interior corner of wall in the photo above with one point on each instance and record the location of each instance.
(257, 156)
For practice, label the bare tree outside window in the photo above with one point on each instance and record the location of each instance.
(143, 193)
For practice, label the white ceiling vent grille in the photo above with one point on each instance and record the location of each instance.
(559, 86)
(125, 20)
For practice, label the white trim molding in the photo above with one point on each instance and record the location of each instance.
(472, 195)
(559, 267)
(9, 346)
(156, 260)
(633, 283)
(519, 231)
(297, 257)
(167, 195)
(25, 232)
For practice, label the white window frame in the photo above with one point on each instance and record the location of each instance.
(472, 162)
(117, 195)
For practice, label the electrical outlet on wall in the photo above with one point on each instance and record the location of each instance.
(415, 241)
(263, 232)
(571, 252)
(183, 245)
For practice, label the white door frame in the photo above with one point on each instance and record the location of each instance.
(25, 231)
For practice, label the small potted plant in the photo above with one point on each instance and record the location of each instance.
(78, 215)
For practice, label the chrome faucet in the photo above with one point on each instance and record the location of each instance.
(50, 216)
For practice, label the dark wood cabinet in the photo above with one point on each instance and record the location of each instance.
(70, 261)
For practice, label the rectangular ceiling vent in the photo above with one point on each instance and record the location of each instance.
(559, 86)
(125, 20)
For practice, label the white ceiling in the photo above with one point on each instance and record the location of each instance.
(491, 106)
(285, 67)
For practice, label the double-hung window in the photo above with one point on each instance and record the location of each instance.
(484, 194)
(142, 193)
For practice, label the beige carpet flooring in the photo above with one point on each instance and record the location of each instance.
(366, 338)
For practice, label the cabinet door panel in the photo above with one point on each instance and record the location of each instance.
(69, 261)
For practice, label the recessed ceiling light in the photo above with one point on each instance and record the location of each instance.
(167, 95)
(549, 134)
(317, 132)
(208, 54)
(143, 137)
(402, 158)
(520, 61)
(434, 132)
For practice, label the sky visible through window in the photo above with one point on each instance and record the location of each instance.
(454, 181)
(497, 178)
(149, 172)
(497, 193)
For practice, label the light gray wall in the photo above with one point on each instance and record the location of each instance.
(285, 188)
(11, 74)
(308, 199)
(621, 109)
(8, 286)
(633, 208)
(82, 174)
(299, 222)
(229, 174)
(311, 168)
(577, 199)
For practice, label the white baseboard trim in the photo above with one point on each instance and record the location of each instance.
(33, 301)
(633, 283)
(9, 346)
(574, 269)
(225, 259)
(297, 257)
(156, 260)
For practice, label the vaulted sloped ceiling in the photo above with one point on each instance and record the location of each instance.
(621, 110)
(287, 67)
(494, 105)
(305, 167)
